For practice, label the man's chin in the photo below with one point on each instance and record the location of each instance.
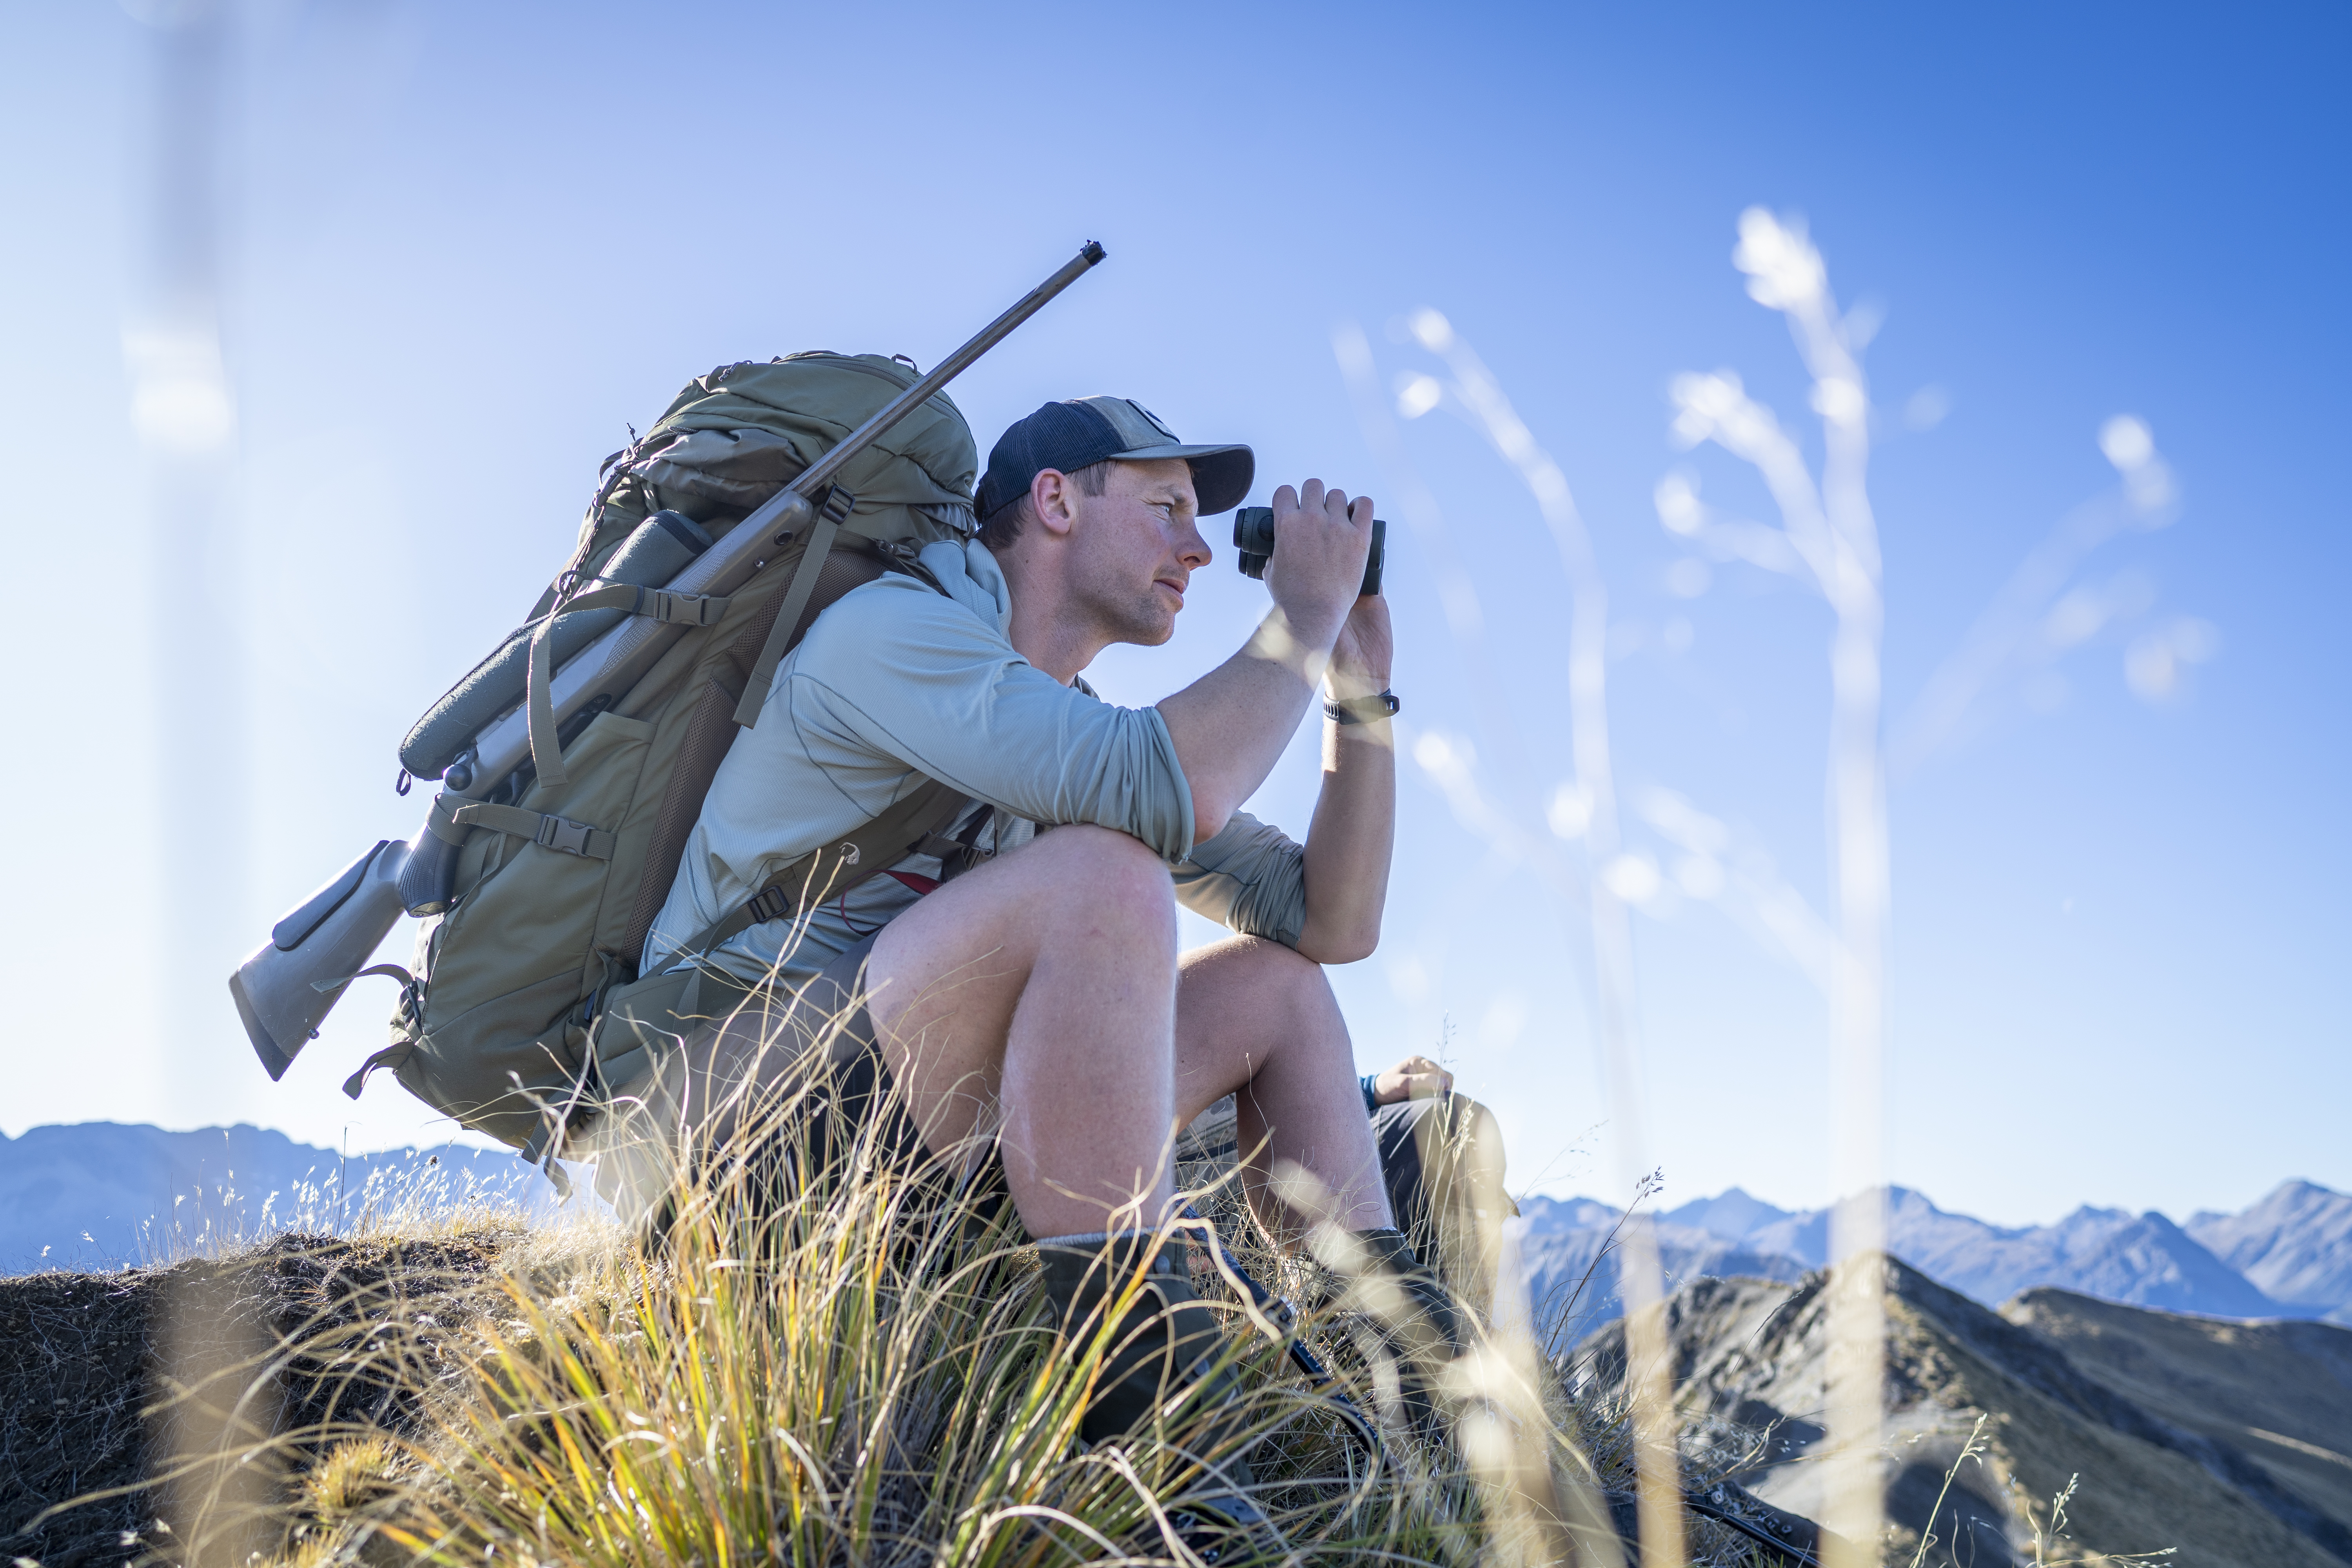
(1150, 631)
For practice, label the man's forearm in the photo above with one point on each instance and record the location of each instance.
(1230, 726)
(1349, 844)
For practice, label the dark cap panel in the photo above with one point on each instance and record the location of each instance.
(1077, 434)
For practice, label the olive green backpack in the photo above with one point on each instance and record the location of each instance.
(557, 884)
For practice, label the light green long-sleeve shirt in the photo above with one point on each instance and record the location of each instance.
(895, 683)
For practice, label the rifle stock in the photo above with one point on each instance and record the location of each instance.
(278, 990)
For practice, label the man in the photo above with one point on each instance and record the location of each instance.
(1039, 996)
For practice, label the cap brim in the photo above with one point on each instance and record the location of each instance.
(1222, 476)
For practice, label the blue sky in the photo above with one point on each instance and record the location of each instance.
(466, 245)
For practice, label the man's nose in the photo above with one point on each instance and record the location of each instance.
(1192, 549)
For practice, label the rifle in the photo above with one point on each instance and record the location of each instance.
(286, 989)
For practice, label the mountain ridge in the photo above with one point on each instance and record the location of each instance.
(107, 1192)
(2294, 1244)
(2288, 1255)
(95, 1193)
(2219, 1439)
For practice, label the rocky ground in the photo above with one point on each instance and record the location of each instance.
(2227, 1441)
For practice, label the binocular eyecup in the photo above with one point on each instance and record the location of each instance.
(1254, 539)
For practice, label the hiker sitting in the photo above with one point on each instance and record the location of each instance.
(1019, 991)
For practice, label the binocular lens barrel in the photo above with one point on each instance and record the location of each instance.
(1253, 539)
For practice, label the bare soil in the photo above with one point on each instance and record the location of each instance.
(142, 1409)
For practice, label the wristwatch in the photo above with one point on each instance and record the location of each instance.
(1363, 710)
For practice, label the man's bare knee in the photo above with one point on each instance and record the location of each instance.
(1276, 981)
(1108, 880)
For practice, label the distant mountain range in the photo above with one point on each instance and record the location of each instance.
(2289, 1255)
(2296, 1245)
(100, 1194)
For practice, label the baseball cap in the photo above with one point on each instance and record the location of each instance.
(1084, 431)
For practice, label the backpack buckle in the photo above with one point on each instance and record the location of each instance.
(557, 833)
(768, 904)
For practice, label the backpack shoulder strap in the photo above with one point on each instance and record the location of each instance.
(838, 867)
(894, 554)
(833, 507)
(879, 844)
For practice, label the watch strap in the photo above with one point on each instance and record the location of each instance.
(1363, 710)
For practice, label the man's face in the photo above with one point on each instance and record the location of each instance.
(1136, 549)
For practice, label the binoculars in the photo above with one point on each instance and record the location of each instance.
(1253, 538)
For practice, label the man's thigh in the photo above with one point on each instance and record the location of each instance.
(942, 981)
(946, 978)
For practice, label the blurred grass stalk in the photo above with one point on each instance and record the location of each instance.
(1641, 1278)
(184, 417)
(1830, 529)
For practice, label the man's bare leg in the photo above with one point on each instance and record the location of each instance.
(1256, 1017)
(1046, 984)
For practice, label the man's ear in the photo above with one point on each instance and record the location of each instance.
(1054, 501)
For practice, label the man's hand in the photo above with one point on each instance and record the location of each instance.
(1321, 542)
(1231, 725)
(1415, 1078)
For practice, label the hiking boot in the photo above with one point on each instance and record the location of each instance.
(1430, 1335)
(1167, 1343)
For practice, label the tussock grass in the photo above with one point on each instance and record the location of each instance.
(446, 1192)
(818, 1363)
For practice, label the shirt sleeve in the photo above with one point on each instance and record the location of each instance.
(1251, 878)
(898, 669)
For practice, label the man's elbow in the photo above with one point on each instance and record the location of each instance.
(1350, 944)
(1210, 816)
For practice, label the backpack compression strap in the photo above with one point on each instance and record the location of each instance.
(838, 867)
(539, 701)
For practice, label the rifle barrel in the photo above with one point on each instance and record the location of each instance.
(813, 480)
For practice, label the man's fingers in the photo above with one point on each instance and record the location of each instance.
(1285, 500)
(1360, 511)
(1310, 495)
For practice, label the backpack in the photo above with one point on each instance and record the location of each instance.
(557, 884)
